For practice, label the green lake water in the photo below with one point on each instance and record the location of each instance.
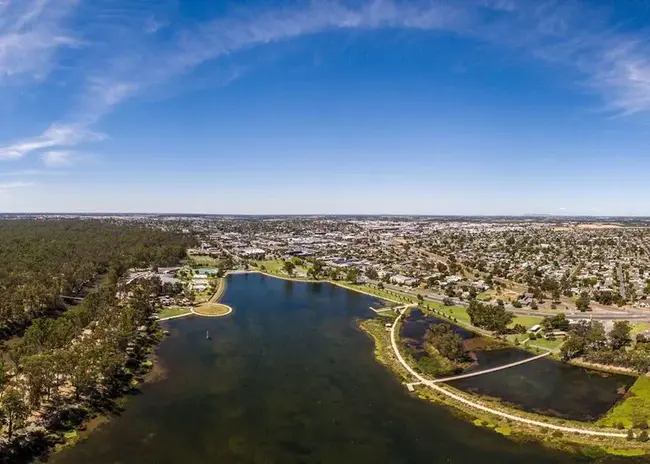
(286, 378)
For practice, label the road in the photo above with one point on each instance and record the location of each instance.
(481, 407)
(629, 314)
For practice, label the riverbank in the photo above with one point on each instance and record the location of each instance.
(533, 425)
(487, 412)
(556, 433)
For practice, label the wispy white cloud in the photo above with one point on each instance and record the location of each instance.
(134, 59)
(568, 33)
(55, 136)
(31, 31)
(6, 186)
(58, 158)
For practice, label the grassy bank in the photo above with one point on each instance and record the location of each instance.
(634, 410)
(589, 446)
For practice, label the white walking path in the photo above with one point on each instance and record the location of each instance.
(494, 369)
(175, 317)
(487, 409)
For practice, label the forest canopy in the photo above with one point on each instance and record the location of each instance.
(43, 259)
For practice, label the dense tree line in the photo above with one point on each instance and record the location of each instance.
(45, 259)
(590, 341)
(447, 342)
(65, 368)
(490, 317)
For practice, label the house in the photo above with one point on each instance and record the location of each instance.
(403, 280)
(535, 329)
(252, 253)
(526, 298)
(200, 282)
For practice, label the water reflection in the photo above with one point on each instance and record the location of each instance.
(287, 378)
(545, 386)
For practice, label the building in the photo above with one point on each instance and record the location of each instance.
(403, 280)
(252, 253)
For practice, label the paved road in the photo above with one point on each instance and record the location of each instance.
(487, 409)
(629, 314)
(494, 369)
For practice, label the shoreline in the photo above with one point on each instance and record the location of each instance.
(483, 412)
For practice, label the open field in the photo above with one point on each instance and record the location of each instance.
(526, 321)
(173, 311)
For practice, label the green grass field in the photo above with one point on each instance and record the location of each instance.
(546, 344)
(173, 311)
(458, 312)
(526, 321)
(633, 410)
(212, 309)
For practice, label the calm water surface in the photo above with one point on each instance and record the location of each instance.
(545, 386)
(286, 378)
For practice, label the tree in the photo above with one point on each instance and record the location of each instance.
(289, 267)
(557, 322)
(619, 336)
(556, 294)
(38, 374)
(14, 408)
(447, 342)
(352, 275)
(491, 317)
(372, 274)
(582, 303)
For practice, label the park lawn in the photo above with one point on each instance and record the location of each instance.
(173, 311)
(634, 410)
(203, 296)
(546, 344)
(212, 309)
(273, 266)
(459, 312)
(526, 321)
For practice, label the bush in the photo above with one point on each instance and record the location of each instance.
(643, 436)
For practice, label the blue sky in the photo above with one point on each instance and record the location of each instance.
(427, 107)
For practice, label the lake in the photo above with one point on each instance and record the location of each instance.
(286, 378)
(545, 386)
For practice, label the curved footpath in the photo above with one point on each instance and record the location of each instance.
(212, 315)
(487, 409)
